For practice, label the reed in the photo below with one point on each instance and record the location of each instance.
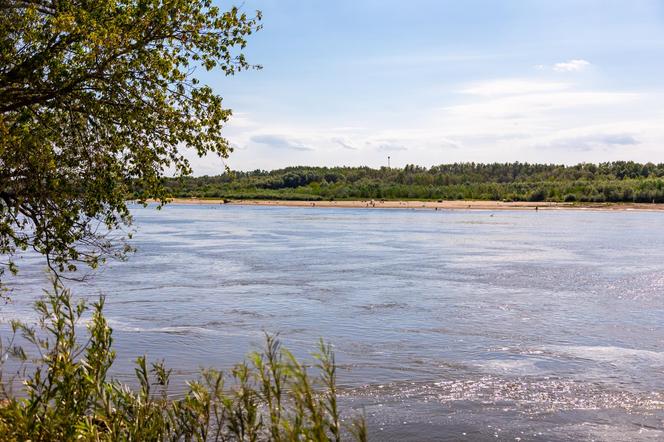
(67, 393)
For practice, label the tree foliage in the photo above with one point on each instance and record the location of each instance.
(97, 96)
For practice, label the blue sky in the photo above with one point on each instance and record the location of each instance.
(430, 82)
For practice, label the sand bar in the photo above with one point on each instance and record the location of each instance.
(441, 205)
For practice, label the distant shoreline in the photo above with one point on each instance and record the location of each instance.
(442, 205)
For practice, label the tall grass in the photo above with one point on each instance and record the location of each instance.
(67, 393)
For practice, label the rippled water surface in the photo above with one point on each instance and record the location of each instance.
(447, 325)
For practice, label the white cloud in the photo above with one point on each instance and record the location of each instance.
(388, 145)
(241, 120)
(279, 142)
(574, 65)
(513, 86)
(447, 143)
(526, 105)
(594, 141)
(343, 143)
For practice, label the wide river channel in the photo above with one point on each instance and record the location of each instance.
(447, 325)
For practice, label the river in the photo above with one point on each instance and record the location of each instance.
(447, 325)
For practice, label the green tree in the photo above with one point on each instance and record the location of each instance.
(99, 98)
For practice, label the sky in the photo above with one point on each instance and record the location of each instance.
(353, 82)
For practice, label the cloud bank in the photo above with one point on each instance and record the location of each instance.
(279, 142)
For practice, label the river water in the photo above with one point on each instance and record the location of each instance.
(447, 325)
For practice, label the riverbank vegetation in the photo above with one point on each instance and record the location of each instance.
(67, 393)
(618, 181)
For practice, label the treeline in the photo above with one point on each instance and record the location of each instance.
(620, 181)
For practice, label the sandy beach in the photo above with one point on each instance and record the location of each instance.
(435, 205)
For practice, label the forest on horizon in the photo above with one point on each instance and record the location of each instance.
(619, 181)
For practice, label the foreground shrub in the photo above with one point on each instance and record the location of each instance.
(66, 394)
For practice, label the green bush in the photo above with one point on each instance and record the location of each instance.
(67, 395)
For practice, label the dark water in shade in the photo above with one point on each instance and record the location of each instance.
(447, 325)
